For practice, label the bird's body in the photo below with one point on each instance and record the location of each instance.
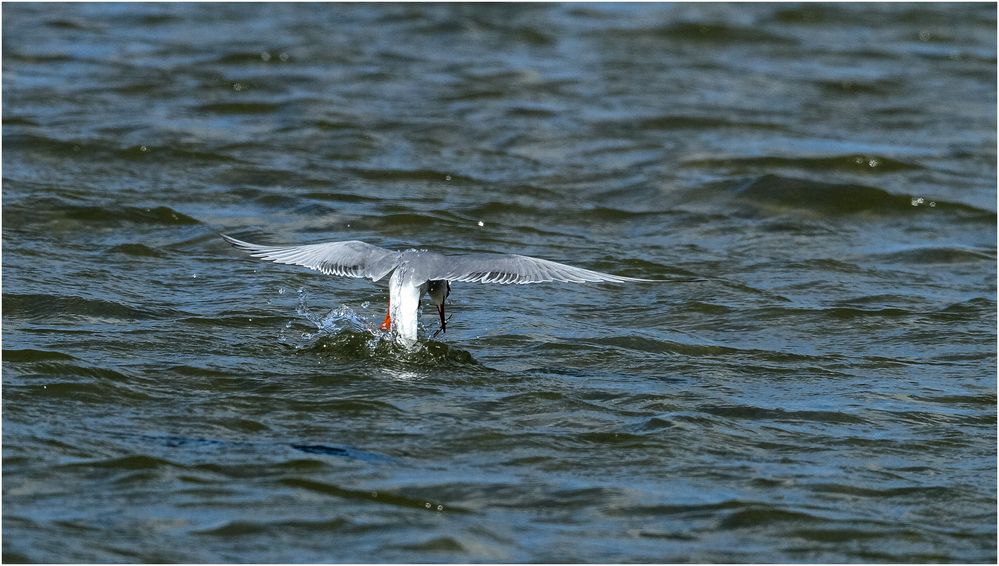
(415, 272)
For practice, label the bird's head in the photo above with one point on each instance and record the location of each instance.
(438, 290)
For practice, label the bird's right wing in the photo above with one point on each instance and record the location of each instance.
(346, 259)
(512, 268)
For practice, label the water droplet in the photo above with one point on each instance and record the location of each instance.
(447, 177)
(873, 163)
(282, 290)
(427, 505)
(924, 35)
(143, 148)
(283, 56)
(194, 275)
(933, 204)
(481, 223)
(365, 305)
(265, 56)
(250, 319)
(374, 494)
(238, 86)
(440, 507)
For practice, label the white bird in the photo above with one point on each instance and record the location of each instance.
(417, 272)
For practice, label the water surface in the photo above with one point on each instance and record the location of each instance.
(828, 394)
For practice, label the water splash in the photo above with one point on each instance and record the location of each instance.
(340, 328)
(345, 334)
(332, 322)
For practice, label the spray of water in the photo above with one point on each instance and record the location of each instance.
(333, 322)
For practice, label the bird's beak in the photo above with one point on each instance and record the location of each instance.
(440, 311)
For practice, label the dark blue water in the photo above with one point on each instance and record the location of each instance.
(824, 392)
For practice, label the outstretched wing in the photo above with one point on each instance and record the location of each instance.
(346, 259)
(512, 268)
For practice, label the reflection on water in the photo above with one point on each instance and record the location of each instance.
(404, 375)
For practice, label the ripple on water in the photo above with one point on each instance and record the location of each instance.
(30, 355)
(137, 250)
(831, 199)
(48, 308)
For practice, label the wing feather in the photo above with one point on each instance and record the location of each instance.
(346, 259)
(511, 268)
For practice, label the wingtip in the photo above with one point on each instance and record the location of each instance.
(232, 241)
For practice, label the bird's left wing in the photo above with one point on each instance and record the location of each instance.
(346, 259)
(512, 268)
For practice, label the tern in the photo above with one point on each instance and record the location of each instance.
(415, 273)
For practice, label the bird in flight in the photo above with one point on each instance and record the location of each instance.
(414, 273)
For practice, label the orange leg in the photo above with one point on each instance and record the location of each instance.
(387, 323)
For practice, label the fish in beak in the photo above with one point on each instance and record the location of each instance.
(440, 311)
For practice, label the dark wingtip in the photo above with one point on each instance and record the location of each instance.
(231, 241)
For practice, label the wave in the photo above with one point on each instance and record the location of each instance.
(673, 122)
(247, 107)
(30, 355)
(120, 214)
(781, 415)
(834, 199)
(659, 346)
(183, 451)
(137, 250)
(385, 498)
(412, 175)
(242, 528)
(108, 148)
(112, 391)
(111, 215)
(59, 308)
(868, 163)
(698, 32)
(938, 254)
